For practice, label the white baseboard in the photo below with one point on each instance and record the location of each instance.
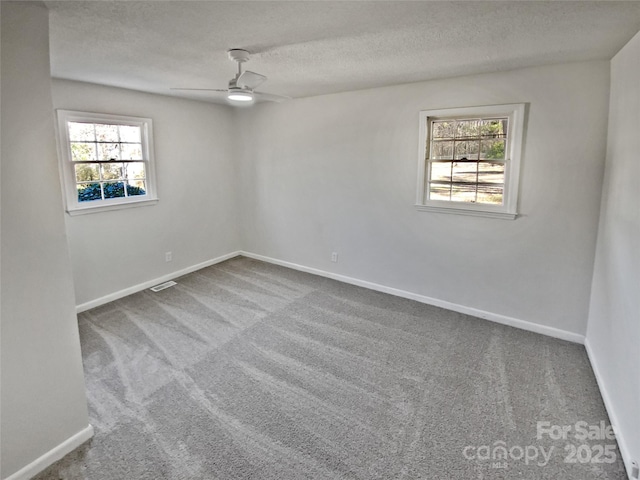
(608, 405)
(494, 317)
(150, 283)
(53, 455)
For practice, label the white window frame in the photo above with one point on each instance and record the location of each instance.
(67, 169)
(513, 152)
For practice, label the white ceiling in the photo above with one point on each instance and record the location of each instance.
(317, 47)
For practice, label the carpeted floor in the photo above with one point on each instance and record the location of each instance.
(246, 370)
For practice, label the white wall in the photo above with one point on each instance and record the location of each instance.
(197, 215)
(338, 173)
(613, 335)
(43, 399)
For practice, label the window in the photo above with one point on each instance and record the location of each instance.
(106, 161)
(470, 160)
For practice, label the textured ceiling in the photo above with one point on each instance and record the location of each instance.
(318, 47)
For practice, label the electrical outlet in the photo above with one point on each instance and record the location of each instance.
(635, 470)
(334, 256)
(168, 257)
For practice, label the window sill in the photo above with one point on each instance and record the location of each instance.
(115, 206)
(467, 211)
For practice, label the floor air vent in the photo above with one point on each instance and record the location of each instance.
(162, 286)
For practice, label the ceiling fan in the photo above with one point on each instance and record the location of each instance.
(242, 86)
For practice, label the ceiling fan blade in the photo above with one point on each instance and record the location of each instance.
(250, 80)
(271, 97)
(203, 89)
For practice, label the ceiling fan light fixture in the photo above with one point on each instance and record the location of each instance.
(240, 95)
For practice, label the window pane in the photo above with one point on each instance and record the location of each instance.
(494, 128)
(87, 173)
(467, 128)
(492, 149)
(83, 152)
(81, 131)
(442, 150)
(113, 189)
(491, 195)
(108, 151)
(439, 192)
(463, 193)
(136, 187)
(444, 129)
(131, 151)
(111, 171)
(107, 133)
(88, 192)
(130, 134)
(134, 170)
(491, 172)
(441, 172)
(466, 149)
(465, 171)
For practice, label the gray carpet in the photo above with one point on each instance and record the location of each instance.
(246, 370)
